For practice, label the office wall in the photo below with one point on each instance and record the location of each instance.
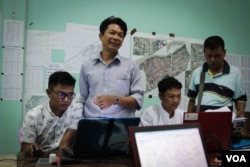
(189, 19)
(10, 111)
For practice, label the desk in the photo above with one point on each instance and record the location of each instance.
(30, 161)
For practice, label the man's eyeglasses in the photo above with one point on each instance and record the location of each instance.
(62, 95)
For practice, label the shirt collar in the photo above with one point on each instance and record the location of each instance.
(49, 109)
(167, 112)
(226, 67)
(98, 59)
(52, 113)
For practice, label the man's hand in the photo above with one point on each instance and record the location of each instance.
(31, 149)
(104, 101)
(240, 114)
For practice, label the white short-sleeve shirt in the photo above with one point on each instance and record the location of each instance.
(156, 115)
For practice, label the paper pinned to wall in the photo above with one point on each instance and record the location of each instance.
(34, 79)
(13, 33)
(12, 87)
(12, 73)
(53, 67)
(12, 60)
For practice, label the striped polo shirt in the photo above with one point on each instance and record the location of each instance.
(220, 90)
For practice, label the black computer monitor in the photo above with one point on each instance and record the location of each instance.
(103, 137)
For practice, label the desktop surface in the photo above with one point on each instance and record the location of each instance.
(30, 161)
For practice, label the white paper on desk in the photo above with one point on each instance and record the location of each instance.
(240, 119)
(223, 109)
(226, 109)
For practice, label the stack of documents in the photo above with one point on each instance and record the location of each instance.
(240, 119)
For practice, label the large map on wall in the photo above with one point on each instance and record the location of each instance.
(158, 56)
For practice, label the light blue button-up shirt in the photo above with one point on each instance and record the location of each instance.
(120, 77)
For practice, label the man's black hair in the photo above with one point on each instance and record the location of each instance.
(214, 42)
(168, 82)
(61, 77)
(113, 20)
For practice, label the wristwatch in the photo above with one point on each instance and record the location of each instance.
(116, 100)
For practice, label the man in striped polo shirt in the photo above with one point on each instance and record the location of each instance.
(223, 82)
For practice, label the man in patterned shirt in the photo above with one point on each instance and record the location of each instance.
(52, 125)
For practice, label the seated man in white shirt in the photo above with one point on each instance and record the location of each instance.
(166, 112)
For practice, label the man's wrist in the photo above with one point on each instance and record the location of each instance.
(116, 100)
(240, 114)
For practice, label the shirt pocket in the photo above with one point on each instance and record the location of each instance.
(122, 86)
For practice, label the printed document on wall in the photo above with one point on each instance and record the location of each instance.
(34, 79)
(12, 87)
(13, 33)
(12, 73)
(12, 60)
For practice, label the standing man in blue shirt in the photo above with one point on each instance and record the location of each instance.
(110, 85)
(223, 82)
